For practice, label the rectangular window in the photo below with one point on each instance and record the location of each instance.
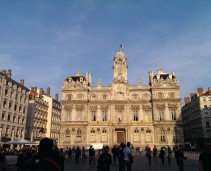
(6, 92)
(19, 119)
(5, 104)
(15, 107)
(14, 117)
(3, 116)
(20, 98)
(104, 115)
(135, 115)
(209, 98)
(161, 114)
(8, 118)
(93, 117)
(11, 95)
(23, 120)
(79, 115)
(68, 115)
(205, 107)
(19, 108)
(204, 99)
(16, 97)
(7, 131)
(173, 114)
(24, 110)
(146, 115)
(10, 105)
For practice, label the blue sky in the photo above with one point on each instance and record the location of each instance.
(44, 42)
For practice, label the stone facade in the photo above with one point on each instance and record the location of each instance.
(142, 114)
(13, 107)
(196, 116)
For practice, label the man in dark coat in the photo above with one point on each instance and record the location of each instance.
(25, 155)
(205, 158)
(104, 160)
(179, 155)
(43, 160)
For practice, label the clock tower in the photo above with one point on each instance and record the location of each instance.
(120, 68)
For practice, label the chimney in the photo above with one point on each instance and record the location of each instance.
(87, 76)
(57, 97)
(90, 79)
(9, 73)
(3, 71)
(32, 93)
(40, 92)
(48, 91)
(200, 91)
(187, 100)
(22, 82)
(35, 91)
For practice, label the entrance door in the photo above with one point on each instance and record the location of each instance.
(120, 137)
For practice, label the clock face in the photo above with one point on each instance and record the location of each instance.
(120, 68)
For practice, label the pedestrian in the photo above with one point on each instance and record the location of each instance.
(162, 155)
(115, 153)
(140, 150)
(83, 151)
(3, 162)
(104, 160)
(92, 156)
(61, 159)
(169, 155)
(121, 156)
(205, 158)
(77, 154)
(149, 156)
(43, 160)
(128, 158)
(22, 158)
(179, 155)
(155, 153)
(69, 154)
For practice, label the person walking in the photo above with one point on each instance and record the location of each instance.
(83, 151)
(169, 155)
(121, 156)
(149, 156)
(115, 153)
(179, 155)
(155, 153)
(205, 158)
(43, 160)
(104, 160)
(140, 150)
(162, 155)
(22, 158)
(127, 157)
(92, 156)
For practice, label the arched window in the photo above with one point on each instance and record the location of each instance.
(136, 135)
(80, 96)
(162, 136)
(145, 96)
(148, 136)
(160, 95)
(104, 135)
(134, 96)
(78, 136)
(92, 135)
(67, 135)
(173, 114)
(175, 136)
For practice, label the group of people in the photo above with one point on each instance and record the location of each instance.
(49, 157)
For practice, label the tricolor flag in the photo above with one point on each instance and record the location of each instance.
(119, 121)
(122, 46)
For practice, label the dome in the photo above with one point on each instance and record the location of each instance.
(120, 54)
(78, 77)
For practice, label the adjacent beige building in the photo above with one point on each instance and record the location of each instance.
(44, 113)
(13, 107)
(196, 115)
(120, 112)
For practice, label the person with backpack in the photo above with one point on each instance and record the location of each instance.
(43, 160)
(105, 160)
(149, 156)
(155, 152)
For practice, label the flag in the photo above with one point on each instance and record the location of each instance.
(122, 46)
(119, 121)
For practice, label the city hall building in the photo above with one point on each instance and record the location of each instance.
(120, 112)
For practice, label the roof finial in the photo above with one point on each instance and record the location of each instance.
(78, 72)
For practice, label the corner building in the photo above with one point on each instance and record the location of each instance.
(142, 114)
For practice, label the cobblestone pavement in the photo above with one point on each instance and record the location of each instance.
(140, 164)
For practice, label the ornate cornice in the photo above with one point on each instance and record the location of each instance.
(119, 107)
(104, 107)
(135, 107)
